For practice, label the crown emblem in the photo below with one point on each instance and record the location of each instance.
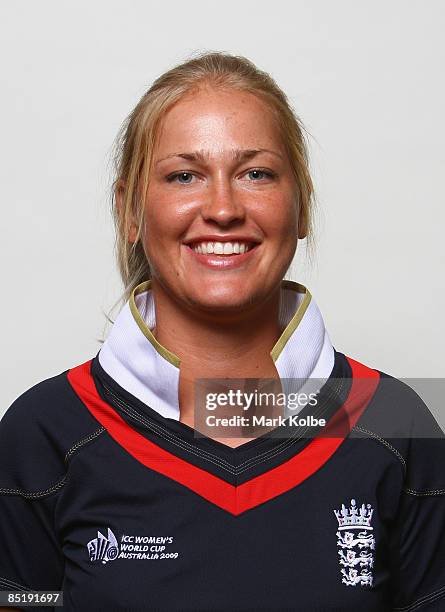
(354, 517)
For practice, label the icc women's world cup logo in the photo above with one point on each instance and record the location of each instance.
(102, 548)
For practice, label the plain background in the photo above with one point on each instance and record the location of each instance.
(366, 78)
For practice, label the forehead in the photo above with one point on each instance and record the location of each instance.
(216, 120)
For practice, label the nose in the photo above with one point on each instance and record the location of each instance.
(222, 204)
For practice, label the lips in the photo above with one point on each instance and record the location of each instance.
(249, 245)
(222, 262)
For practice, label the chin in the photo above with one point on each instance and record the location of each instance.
(222, 298)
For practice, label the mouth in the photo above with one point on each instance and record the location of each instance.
(222, 255)
(222, 249)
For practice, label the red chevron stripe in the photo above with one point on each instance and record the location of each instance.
(233, 499)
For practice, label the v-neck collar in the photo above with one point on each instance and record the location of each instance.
(234, 479)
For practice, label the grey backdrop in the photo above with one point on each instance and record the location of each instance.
(366, 77)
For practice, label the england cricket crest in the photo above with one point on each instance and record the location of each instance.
(356, 543)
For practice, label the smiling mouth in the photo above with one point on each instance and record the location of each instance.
(222, 249)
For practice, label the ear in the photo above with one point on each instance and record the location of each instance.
(119, 195)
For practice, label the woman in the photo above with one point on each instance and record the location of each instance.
(109, 494)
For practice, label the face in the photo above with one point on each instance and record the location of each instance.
(220, 175)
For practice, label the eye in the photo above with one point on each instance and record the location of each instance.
(184, 178)
(257, 174)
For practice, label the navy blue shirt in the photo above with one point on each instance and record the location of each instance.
(124, 509)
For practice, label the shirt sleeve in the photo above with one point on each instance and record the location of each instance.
(418, 538)
(31, 477)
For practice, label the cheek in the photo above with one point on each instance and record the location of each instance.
(165, 221)
(280, 217)
(156, 225)
(158, 211)
(283, 229)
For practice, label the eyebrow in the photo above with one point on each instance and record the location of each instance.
(239, 155)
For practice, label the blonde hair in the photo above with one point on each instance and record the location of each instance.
(136, 139)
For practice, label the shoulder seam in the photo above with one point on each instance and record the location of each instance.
(58, 485)
(382, 441)
(82, 442)
(10, 585)
(408, 490)
(425, 493)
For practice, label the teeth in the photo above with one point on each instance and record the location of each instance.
(221, 248)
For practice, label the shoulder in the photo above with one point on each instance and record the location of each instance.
(399, 420)
(39, 433)
(395, 408)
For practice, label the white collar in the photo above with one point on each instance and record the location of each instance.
(133, 357)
